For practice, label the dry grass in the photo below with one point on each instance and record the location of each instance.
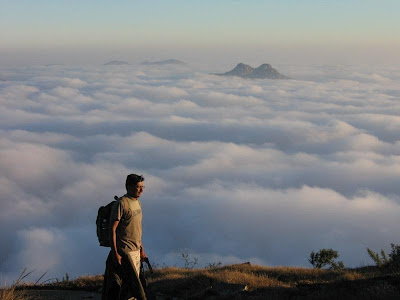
(12, 294)
(247, 281)
(85, 283)
(19, 290)
(256, 276)
(258, 282)
(252, 276)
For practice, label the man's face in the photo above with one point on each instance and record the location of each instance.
(137, 190)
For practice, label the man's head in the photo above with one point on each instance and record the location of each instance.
(134, 185)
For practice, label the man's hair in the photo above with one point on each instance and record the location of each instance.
(133, 179)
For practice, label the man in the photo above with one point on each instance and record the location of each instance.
(123, 264)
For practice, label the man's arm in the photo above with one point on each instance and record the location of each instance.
(114, 241)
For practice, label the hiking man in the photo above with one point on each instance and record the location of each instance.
(123, 263)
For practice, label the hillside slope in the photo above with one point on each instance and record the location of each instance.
(247, 281)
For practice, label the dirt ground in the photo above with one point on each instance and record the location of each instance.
(61, 295)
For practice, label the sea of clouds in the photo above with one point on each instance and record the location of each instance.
(236, 170)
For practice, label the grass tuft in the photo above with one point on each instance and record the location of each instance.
(12, 294)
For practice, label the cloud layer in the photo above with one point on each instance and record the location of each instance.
(235, 169)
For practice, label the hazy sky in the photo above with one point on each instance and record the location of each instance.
(95, 29)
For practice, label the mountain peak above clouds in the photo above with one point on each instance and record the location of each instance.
(116, 63)
(246, 71)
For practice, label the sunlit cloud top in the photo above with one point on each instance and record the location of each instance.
(284, 167)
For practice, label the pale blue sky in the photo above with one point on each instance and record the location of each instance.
(44, 24)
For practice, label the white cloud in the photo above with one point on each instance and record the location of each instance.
(41, 247)
(275, 222)
(278, 168)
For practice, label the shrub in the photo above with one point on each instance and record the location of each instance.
(189, 261)
(394, 256)
(379, 261)
(325, 257)
(214, 265)
(383, 260)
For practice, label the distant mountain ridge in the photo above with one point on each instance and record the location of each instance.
(164, 62)
(246, 71)
(116, 63)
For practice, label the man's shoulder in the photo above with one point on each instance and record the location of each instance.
(123, 200)
(120, 203)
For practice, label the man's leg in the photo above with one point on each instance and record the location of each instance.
(112, 281)
(131, 266)
(135, 256)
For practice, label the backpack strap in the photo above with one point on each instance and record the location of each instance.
(124, 202)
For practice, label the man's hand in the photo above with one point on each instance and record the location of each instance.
(118, 258)
(142, 254)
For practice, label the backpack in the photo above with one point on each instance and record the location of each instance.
(103, 223)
